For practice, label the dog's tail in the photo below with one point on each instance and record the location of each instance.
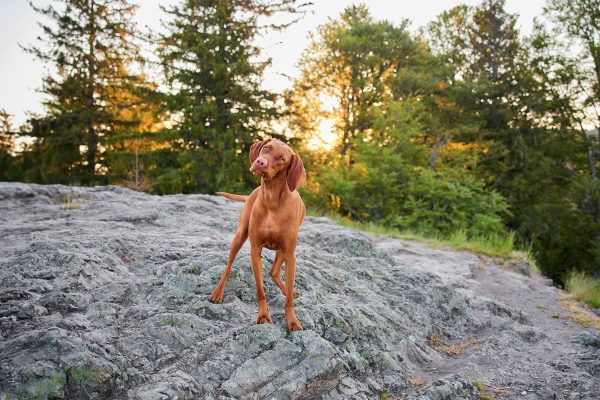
(234, 197)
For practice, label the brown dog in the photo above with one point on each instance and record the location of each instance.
(271, 217)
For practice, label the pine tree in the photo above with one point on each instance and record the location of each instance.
(90, 45)
(213, 70)
(135, 151)
(6, 145)
(577, 26)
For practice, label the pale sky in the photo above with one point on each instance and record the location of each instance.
(21, 76)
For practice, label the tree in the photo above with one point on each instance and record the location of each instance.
(345, 70)
(90, 44)
(6, 145)
(216, 105)
(577, 24)
(529, 151)
(396, 109)
(563, 63)
(136, 152)
(580, 20)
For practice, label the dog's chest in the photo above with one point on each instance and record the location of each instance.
(270, 232)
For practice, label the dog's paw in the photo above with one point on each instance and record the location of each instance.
(216, 296)
(263, 318)
(294, 325)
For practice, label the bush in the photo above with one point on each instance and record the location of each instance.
(445, 202)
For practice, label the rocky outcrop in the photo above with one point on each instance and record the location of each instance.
(105, 294)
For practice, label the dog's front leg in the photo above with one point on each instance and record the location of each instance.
(238, 241)
(263, 308)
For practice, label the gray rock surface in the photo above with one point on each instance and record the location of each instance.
(104, 294)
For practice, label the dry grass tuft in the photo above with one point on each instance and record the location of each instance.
(416, 382)
(450, 349)
(581, 314)
(71, 201)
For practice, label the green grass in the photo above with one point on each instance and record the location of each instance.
(491, 245)
(584, 288)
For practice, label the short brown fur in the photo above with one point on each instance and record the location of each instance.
(271, 217)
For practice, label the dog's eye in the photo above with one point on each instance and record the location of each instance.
(281, 159)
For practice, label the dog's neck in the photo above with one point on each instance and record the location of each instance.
(274, 189)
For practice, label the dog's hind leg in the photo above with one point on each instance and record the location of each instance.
(275, 272)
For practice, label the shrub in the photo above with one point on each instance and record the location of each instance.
(446, 202)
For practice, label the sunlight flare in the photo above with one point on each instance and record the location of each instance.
(325, 139)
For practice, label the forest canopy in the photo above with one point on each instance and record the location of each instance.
(465, 125)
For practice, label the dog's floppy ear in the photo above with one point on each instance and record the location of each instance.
(255, 149)
(296, 174)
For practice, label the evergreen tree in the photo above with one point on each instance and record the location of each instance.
(138, 151)
(213, 70)
(6, 146)
(576, 74)
(90, 44)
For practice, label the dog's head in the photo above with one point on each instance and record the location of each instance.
(269, 158)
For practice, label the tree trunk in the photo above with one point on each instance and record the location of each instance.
(92, 136)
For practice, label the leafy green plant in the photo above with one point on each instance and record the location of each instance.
(450, 203)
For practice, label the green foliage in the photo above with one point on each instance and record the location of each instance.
(580, 21)
(90, 47)
(584, 287)
(533, 150)
(8, 161)
(448, 201)
(399, 174)
(212, 69)
(168, 181)
(350, 62)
